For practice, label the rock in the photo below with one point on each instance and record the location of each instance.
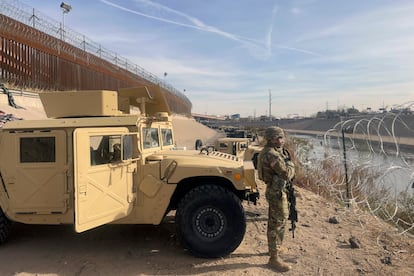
(386, 260)
(355, 243)
(333, 220)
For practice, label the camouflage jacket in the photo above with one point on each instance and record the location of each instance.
(274, 165)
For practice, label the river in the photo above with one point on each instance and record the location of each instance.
(393, 167)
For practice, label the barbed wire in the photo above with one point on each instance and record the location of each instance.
(368, 164)
(31, 17)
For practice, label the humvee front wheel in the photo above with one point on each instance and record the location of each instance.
(5, 225)
(198, 144)
(210, 221)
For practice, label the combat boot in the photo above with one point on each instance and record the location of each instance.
(277, 264)
(282, 249)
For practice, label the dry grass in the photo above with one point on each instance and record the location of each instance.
(328, 181)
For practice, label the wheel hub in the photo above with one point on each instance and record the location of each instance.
(210, 223)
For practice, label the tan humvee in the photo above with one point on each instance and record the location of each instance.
(240, 147)
(234, 146)
(93, 163)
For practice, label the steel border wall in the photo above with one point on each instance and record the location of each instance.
(33, 58)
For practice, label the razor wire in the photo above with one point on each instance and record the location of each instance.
(379, 161)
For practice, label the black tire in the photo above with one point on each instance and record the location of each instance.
(210, 221)
(198, 144)
(5, 226)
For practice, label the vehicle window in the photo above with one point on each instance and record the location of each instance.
(105, 149)
(167, 138)
(223, 145)
(150, 137)
(127, 147)
(37, 149)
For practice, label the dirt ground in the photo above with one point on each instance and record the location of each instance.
(319, 247)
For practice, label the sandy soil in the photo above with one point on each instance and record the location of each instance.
(319, 247)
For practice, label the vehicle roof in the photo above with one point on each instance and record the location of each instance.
(229, 139)
(72, 122)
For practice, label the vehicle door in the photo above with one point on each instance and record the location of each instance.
(37, 176)
(103, 176)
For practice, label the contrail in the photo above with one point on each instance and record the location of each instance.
(199, 25)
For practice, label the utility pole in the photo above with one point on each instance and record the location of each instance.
(270, 104)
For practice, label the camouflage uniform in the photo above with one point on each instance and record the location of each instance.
(275, 168)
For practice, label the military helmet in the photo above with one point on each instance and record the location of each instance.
(272, 132)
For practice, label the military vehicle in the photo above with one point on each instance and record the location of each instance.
(96, 162)
(234, 146)
(242, 148)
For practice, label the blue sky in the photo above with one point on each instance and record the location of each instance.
(227, 55)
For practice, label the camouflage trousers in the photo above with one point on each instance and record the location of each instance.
(278, 216)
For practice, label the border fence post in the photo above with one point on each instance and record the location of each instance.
(346, 166)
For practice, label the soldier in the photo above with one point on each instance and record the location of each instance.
(275, 168)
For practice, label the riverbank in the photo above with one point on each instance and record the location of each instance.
(389, 142)
(384, 124)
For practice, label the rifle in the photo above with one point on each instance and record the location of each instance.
(293, 214)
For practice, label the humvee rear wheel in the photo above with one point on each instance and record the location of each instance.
(210, 221)
(5, 225)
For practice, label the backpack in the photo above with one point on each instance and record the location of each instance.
(260, 172)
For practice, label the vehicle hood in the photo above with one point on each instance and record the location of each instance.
(195, 158)
(190, 163)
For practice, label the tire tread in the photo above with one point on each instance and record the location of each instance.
(221, 195)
